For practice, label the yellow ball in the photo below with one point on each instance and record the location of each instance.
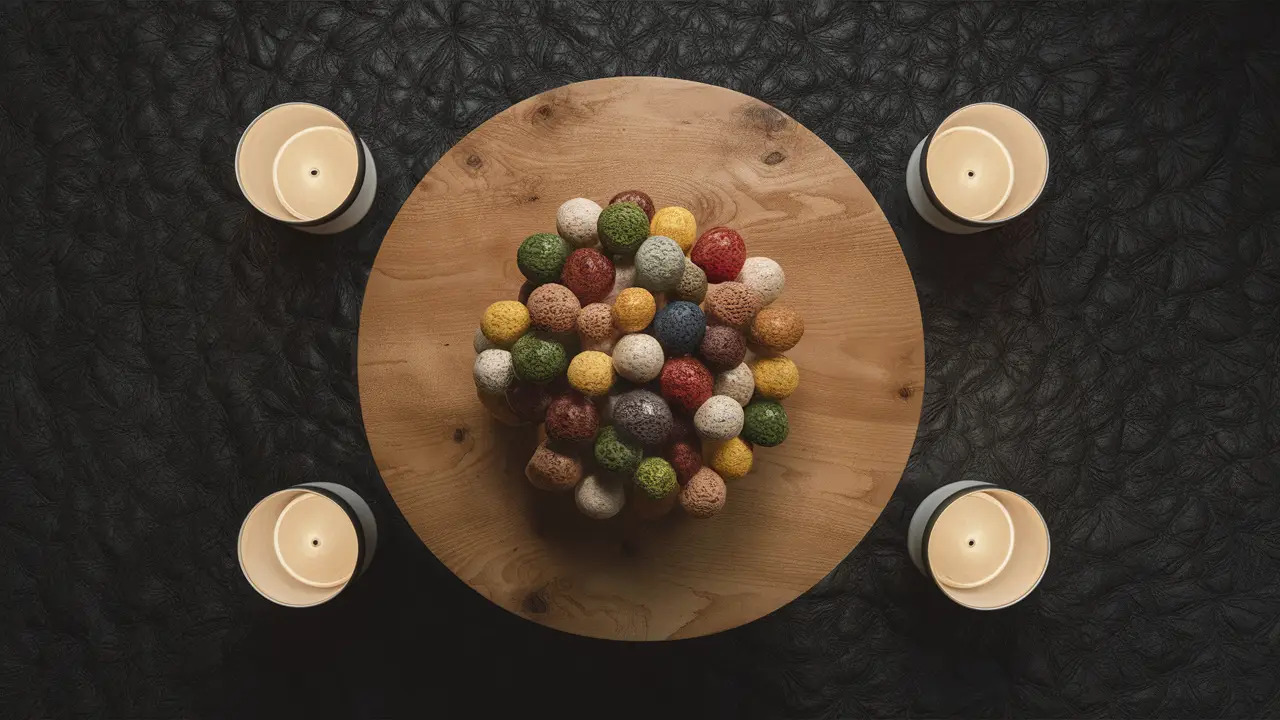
(504, 322)
(776, 377)
(677, 224)
(731, 458)
(633, 309)
(591, 373)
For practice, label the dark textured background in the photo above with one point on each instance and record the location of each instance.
(167, 357)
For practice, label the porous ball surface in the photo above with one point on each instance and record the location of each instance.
(591, 373)
(504, 322)
(721, 253)
(732, 303)
(481, 343)
(704, 495)
(679, 327)
(615, 452)
(528, 401)
(723, 348)
(624, 276)
(634, 309)
(731, 458)
(777, 328)
(639, 197)
(655, 478)
(537, 359)
(682, 430)
(775, 377)
(572, 417)
(685, 458)
(765, 278)
(589, 274)
(644, 416)
(541, 257)
(600, 497)
(692, 285)
(493, 371)
(622, 227)
(576, 222)
(765, 423)
(676, 223)
(686, 382)
(659, 264)
(738, 383)
(551, 470)
(595, 321)
(719, 418)
(554, 308)
(638, 357)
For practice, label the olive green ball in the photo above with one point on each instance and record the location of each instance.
(765, 423)
(614, 453)
(655, 478)
(541, 257)
(538, 360)
(622, 227)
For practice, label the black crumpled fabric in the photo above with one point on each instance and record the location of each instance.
(168, 357)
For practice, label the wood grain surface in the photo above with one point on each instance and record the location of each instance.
(457, 475)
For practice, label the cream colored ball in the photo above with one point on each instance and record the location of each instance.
(638, 357)
(737, 383)
(719, 418)
(599, 497)
(576, 222)
(765, 277)
(493, 371)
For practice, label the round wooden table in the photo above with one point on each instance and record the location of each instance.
(457, 475)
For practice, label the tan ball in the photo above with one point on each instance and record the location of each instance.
(595, 322)
(704, 495)
(554, 308)
(777, 328)
(550, 470)
(731, 303)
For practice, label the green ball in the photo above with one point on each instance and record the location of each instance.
(765, 423)
(538, 360)
(541, 257)
(655, 477)
(614, 453)
(622, 227)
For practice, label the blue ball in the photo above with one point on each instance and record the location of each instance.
(679, 327)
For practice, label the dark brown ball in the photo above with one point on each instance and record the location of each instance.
(723, 348)
(636, 196)
(573, 418)
(528, 401)
(686, 459)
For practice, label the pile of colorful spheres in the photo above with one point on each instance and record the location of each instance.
(652, 355)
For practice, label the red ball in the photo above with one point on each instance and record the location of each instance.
(686, 459)
(528, 401)
(572, 417)
(588, 274)
(638, 197)
(721, 253)
(686, 383)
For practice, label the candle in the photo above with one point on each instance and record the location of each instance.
(985, 165)
(985, 547)
(302, 546)
(302, 165)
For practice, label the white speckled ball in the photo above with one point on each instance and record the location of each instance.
(481, 343)
(638, 357)
(659, 264)
(765, 277)
(576, 222)
(624, 276)
(600, 498)
(605, 346)
(737, 383)
(493, 371)
(719, 418)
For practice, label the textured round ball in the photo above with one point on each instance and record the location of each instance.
(777, 328)
(655, 478)
(764, 277)
(644, 416)
(634, 309)
(538, 360)
(682, 430)
(765, 423)
(493, 371)
(504, 322)
(615, 452)
(692, 285)
(622, 227)
(732, 303)
(719, 418)
(704, 495)
(722, 348)
(659, 264)
(624, 276)
(498, 408)
(775, 377)
(554, 308)
(638, 197)
(550, 470)
(679, 327)
(480, 342)
(638, 357)
(595, 322)
(721, 253)
(676, 223)
(588, 273)
(576, 222)
(686, 382)
(528, 401)
(685, 458)
(599, 497)
(738, 383)
(591, 373)
(731, 458)
(573, 418)
(541, 257)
